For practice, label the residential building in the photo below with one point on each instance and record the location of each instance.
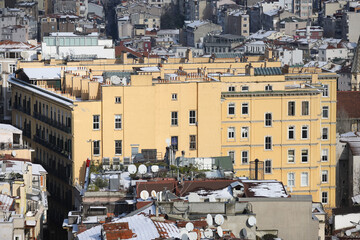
(23, 188)
(237, 23)
(224, 43)
(328, 52)
(57, 23)
(194, 32)
(68, 45)
(312, 32)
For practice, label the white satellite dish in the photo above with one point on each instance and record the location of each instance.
(243, 233)
(219, 231)
(132, 169)
(184, 236)
(142, 169)
(153, 194)
(348, 233)
(192, 236)
(209, 220)
(208, 233)
(144, 194)
(115, 80)
(189, 226)
(155, 168)
(251, 221)
(219, 219)
(168, 141)
(13, 154)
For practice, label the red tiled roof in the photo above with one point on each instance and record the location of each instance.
(348, 102)
(193, 186)
(157, 186)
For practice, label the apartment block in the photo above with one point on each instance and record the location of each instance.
(206, 107)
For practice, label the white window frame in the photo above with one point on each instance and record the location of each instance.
(268, 122)
(192, 117)
(174, 118)
(192, 142)
(268, 168)
(289, 155)
(244, 132)
(231, 89)
(96, 122)
(243, 107)
(245, 88)
(231, 133)
(245, 157)
(305, 150)
(326, 91)
(117, 146)
(118, 122)
(268, 87)
(233, 107)
(325, 112)
(305, 128)
(291, 129)
(325, 196)
(232, 155)
(327, 133)
(325, 154)
(305, 109)
(174, 97)
(96, 142)
(265, 143)
(291, 179)
(118, 100)
(304, 179)
(324, 174)
(293, 112)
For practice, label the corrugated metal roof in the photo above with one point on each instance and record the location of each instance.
(227, 55)
(267, 71)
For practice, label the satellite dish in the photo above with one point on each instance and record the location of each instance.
(243, 233)
(209, 220)
(251, 221)
(357, 227)
(192, 235)
(153, 194)
(184, 236)
(13, 153)
(219, 219)
(155, 168)
(194, 197)
(208, 233)
(124, 81)
(144, 194)
(212, 198)
(348, 233)
(168, 141)
(142, 169)
(115, 80)
(219, 231)
(132, 169)
(189, 226)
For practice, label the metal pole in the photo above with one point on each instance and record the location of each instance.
(256, 168)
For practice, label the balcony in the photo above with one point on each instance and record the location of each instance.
(52, 122)
(22, 109)
(52, 147)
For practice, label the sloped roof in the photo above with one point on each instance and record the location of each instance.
(264, 188)
(267, 71)
(6, 202)
(348, 102)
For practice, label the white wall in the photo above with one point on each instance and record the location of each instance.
(291, 57)
(343, 221)
(64, 51)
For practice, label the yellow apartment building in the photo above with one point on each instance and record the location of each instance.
(249, 109)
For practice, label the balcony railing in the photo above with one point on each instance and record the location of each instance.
(52, 122)
(52, 147)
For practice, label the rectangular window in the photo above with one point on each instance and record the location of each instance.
(231, 133)
(192, 141)
(96, 147)
(231, 89)
(118, 147)
(245, 108)
(173, 96)
(304, 179)
(232, 156)
(268, 143)
(325, 112)
(291, 108)
(118, 122)
(324, 176)
(291, 156)
(245, 88)
(291, 133)
(231, 109)
(245, 157)
(305, 108)
(268, 119)
(268, 87)
(304, 132)
(117, 99)
(304, 155)
(174, 118)
(324, 197)
(174, 143)
(244, 132)
(12, 68)
(326, 91)
(106, 161)
(192, 117)
(325, 132)
(291, 179)
(96, 122)
(267, 166)
(324, 155)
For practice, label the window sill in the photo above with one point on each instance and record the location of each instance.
(118, 154)
(117, 129)
(96, 129)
